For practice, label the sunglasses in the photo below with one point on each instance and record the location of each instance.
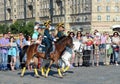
(115, 34)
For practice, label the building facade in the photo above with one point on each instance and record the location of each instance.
(105, 14)
(86, 15)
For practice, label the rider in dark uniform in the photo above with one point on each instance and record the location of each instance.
(60, 27)
(47, 38)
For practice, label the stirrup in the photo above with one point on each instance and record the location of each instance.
(47, 57)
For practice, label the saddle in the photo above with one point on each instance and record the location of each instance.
(42, 49)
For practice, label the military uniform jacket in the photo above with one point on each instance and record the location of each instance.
(47, 35)
(60, 34)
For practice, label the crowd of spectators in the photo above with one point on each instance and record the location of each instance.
(97, 45)
(104, 45)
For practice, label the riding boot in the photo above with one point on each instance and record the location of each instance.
(47, 54)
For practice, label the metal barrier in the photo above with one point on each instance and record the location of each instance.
(95, 56)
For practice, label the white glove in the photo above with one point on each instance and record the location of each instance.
(54, 39)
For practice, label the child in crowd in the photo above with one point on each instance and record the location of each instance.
(12, 52)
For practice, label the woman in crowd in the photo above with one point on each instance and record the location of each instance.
(39, 39)
(78, 54)
(12, 52)
(88, 45)
(4, 44)
(97, 42)
(28, 40)
(109, 50)
(72, 34)
(103, 45)
(115, 45)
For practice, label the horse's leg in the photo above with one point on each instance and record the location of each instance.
(43, 68)
(48, 70)
(35, 67)
(23, 71)
(24, 67)
(43, 71)
(59, 71)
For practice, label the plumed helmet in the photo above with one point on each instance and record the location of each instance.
(60, 25)
(47, 23)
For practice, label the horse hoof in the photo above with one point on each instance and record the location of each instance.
(37, 76)
(61, 77)
(46, 76)
(43, 75)
(63, 74)
(21, 76)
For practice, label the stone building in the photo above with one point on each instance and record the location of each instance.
(86, 15)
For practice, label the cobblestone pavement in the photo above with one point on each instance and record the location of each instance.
(78, 75)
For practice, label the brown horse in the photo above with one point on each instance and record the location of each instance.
(60, 46)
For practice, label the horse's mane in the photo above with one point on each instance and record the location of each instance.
(60, 39)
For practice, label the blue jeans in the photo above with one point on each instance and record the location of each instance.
(17, 66)
(0, 61)
(102, 46)
(4, 57)
(115, 54)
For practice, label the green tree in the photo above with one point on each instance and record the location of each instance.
(28, 28)
(3, 28)
(17, 27)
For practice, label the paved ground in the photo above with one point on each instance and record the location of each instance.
(79, 75)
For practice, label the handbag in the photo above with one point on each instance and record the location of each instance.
(116, 48)
(109, 51)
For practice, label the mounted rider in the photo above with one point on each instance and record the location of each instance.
(48, 38)
(60, 27)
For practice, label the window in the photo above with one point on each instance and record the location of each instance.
(107, 0)
(117, 18)
(116, 0)
(107, 8)
(99, 18)
(108, 17)
(14, 10)
(98, 0)
(99, 8)
(15, 16)
(116, 8)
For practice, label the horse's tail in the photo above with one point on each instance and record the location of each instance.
(23, 52)
(25, 48)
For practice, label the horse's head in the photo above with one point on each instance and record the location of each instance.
(65, 41)
(69, 42)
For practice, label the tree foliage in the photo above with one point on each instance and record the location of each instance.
(17, 27)
(3, 28)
